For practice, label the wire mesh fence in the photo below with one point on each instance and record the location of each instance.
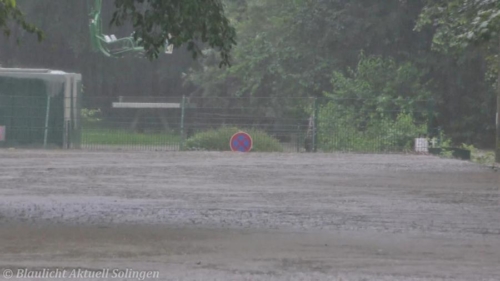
(202, 123)
(275, 124)
(137, 123)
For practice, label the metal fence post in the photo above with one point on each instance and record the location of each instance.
(315, 126)
(46, 129)
(299, 137)
(439, 139)
(183, 114)
(430, 117)
(69, 130)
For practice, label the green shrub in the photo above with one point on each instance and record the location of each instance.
(480, 156)
(91, 117)
(218, 140)
(401, 133)
(343, 129)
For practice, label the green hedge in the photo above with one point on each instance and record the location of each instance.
(218, 140)
(343, 129)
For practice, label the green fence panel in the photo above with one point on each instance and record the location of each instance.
(23, 106)
(276, 124)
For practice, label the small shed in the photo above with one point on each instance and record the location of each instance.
(40, 108)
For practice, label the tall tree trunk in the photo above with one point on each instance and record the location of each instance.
(497, 144)
(497, 151)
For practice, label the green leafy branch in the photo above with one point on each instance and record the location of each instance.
(9, 12)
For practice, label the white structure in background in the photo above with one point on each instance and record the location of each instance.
(421, 145)
(56, 82)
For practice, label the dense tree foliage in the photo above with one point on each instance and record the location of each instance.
(382, 50)
(9, 12)
(461, 24)
(381, 87)
(291, 48)
(179, 21)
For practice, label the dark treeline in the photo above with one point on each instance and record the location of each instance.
(285, 48)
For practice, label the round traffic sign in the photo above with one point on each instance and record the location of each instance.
(241, 142)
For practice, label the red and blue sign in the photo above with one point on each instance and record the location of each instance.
(241, 142)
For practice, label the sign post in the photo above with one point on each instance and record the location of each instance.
(241, 142)
(2, 133)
